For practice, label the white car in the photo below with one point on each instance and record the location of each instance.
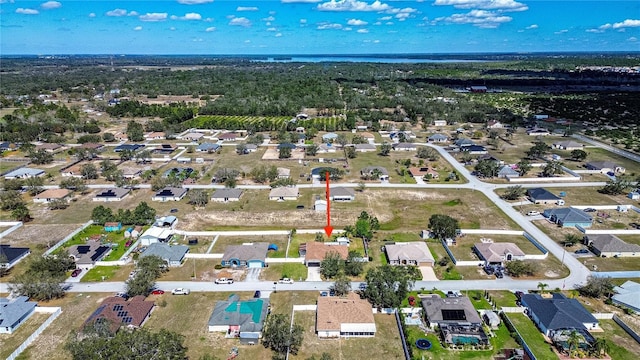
(224, 281)
(285, 281)
(180, 291)
(533, 213)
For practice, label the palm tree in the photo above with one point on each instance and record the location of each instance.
(600, 347)
(573, 341)
(542, 286)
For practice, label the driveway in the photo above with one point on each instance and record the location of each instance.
(428, 274)
(313, 274)
(253, 275)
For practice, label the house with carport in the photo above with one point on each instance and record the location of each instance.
(346, 317)
(409, 253)
(240, 319)
(251, 255)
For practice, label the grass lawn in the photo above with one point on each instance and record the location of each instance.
(295, 271)
(622, 345)
(532, 336)
(503, 298)
(108, 273)
(385, 345)
(463, 250)
(610, 264)
(10, 342)
(204, 270)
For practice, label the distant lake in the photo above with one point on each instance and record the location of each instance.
(363, 59)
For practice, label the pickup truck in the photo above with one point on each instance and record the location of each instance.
(180, 291)
(285, 281)
(224, 281)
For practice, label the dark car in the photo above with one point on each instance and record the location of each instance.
(582, 251)
(488, 270)
(76, 272)
(611, 173)
(499, 275)
(519, 295)
(173, 211)
(256, 294)
(590, 210)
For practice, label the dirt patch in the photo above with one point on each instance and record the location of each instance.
(551, 274)
(33, 234)
(273, 154)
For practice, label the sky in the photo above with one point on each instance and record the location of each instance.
(221, 27)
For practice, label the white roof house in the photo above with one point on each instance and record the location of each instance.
(628, 295)
(155, 234)
(23, 173)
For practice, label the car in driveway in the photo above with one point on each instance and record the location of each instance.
(123, 295)
(256, 295)
(285, 281)
(157, 292)
(582, 251)
(180, 291)
(590, 210)
(76, 272)
(224, 281)
(533, 213)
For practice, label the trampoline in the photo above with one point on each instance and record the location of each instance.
(423, 344)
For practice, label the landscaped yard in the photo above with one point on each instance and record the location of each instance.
(532, 336)
(463, 250)
(10, 342)
(503, 298)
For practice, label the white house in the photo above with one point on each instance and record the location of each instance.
(23, 173)
(440, 123)
(170, 194)
(348, 316)
(109, 195)
(50, 195)
(342, 194)
(284, 193)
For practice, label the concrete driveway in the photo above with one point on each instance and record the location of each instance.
(427, 273)
(313, 274)
(253, 275)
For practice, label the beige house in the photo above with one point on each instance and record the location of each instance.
(498, 253)
(409, 253)
(607, 245)
(347, 316)
(284, 193)
(314, 252)
(50, 195)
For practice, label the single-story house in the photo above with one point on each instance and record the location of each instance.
(155, 135)
(171, 254)
(112, 226)
(113, 194)
(87, 254)
(628, 295)
(72, 171)
(48, 147)
(538, 132)
(326, 148)
(251, 255)
(250, 148)
(192, 136)
(133, 232)
(463, 142)
(508, 172)
(474, 149)
(634, 195)
(50, 195)
(423, 171)
(449, 311)
(14, 312)
(347, 316)
(128, 147)
(23, 173)
(179, 172)
(542, 196)
(365, 147)
(284, 193)
(165, 149)
(155, 234)
(439, 122)
(169, 221)
(226, 195)
(91, 146)
(568, 145)
(13, 255)
(404, 147)
(283, 173)
(208, 147)
(118, 312)
(229, 136)
(409, 253)
(498, 253)
(369, 137)
(342, 194)
(494, 124)
(8, 146)
(568, 217)
(130, 172)
(241, 319)
(329, 137)
(438, 138)
(170, 194)
(378, 172)
(314, 252)
(558, 313)
(605, 167)
(286, 145)
(607, 245)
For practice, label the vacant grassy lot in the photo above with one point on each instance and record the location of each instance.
(532, 336)
(622, 346)
(10, 342)
(385, 345)
(204, 270)
(108, 273)
(610, 264)
(503, 298)
(295, 271)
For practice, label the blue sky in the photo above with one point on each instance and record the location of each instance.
(316, 26)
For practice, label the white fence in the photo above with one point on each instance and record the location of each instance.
(469, 262)
(68, 237)
(299, 260)
(305, 307)
(513, 310)
(113, 263)
(536, 257)
(203, 256)
(14, 225)
(611, 231)
(600, 316)
(251, 232)
(541, 179)
(54, 311)
(491, 232)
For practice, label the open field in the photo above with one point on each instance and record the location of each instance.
(386, 344)
(10, 342)
(532, 336)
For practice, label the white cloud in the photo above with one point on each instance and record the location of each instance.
(479, 18)
(597, 31)
(347, 29)
(137, 28)
(270, 18)
(247, 8)
(50, 5)
(385, 18)
(154, 17)
(504, 5)
(194, 2)
(241, 21)
(92, 15)
(197, 40)
(188, 16)
(133, 13)
(272, 29)
(363, 31)
(300, 1)
(353, 5)
(532, 26)
(279, 35)
(117, 12)
(210, 29)
(173, 28)
(561, 31)
(632, 39)
(329, 26)
(247, 41)
(377, 23)
(627, 23)
(356, 22)
(389, 23)
(303, 21)
(26, 11)
(376, 41)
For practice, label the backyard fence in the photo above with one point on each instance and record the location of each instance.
(605, 316)
(405, 347)
(535, 243)
(55, 312)
(14, 225)
(519, 337)
(68, 237)
(626, 328)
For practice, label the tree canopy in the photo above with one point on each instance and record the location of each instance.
(279, 336)
(443, 226)
(388, 285)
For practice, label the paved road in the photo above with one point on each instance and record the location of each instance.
(615, 150)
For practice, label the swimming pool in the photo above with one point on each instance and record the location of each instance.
(462, 340)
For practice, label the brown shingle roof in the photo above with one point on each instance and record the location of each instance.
(332, 311)
(317, 251)
(53, 194)
(137, 309)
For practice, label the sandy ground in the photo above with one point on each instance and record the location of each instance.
(32, 234)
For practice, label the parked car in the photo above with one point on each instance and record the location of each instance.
(76, 272)
(180, 291)
(128, 243)
(123, 295)
(499, 275)
(363, 286)
(582, 251)
(533, 213)
(285, 281)
(224, 281)
(611, 173)
(173, 211)
(256, 294)
(590, 210)
(324, 293)
(157, 292)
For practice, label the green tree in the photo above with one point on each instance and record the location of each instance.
(58, 204)
(342, 140)
(135, 131)
(74, 184)
(108, 137)
(324, 356)
(311, 150)
(284, 152)
(13, 184)
(387, 285)
(10, 199)
(241, 149)
(573, 342)
(40, 157)
(280, 337)
(101, 214)
(353, 267)
(443, 226)
(21, 213)
(427, 153)
(597, 287)
(615, 186)
(600, 347)
(571, 239)
(43, 277)
(34, 185)
(524, 166)
(552, 168)
(154, 265)
(365, 226)
(487, 168)
(144, 214)
(89, 171)
(341, 285)
(539, 149)
(141, 284)
(542, 286)
(350, 152)
(578, 155)
(331, 265)
(4, 263)
(198, 197)
(385, 149)
(514, 192)
(517, 268)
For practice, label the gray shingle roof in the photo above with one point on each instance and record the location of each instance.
(13, 310)
(113, 193)
(342, 191)
(170, 253)
(558, 312)
(370, 169)
(226, 194)
(568, 214)
(541, 194)
(255, 251)
(437, 310)
(611, 243)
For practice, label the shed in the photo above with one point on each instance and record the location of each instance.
(491, 319)
(112, 226)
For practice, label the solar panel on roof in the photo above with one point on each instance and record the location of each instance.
(83, 249)
(117, 307)
(127, 320)
(453, 315)
(122, 313)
